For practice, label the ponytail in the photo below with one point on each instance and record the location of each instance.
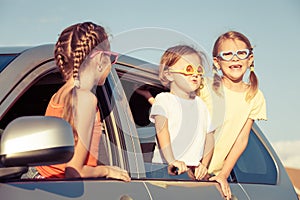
(217, 81)
(253, 81)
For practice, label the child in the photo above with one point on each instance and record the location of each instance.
(82, 53)
(182, 120)
(244, 103)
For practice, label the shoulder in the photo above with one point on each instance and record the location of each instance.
(201, 102)
(164, 99)
(164, 96)
(86, 97)
(259, 96)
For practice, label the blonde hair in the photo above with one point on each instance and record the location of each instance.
(172, 55)
(253, 81)
(72, 47)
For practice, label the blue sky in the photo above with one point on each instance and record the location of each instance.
(273, 27)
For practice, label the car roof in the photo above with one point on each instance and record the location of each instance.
(13, 49)
(123, 59)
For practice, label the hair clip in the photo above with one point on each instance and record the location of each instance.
(77, 83)
(252, 69)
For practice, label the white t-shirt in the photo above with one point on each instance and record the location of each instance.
(188, 121)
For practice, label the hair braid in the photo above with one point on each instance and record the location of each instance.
(73, 46)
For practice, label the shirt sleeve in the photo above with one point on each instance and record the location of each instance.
(158, 108)
(259, 110)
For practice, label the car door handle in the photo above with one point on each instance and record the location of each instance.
(126, 197)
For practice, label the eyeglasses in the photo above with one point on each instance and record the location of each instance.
(240, 54)
(189, 70)
(112, 55)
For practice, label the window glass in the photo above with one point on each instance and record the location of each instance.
(34, 101)
(140, 108)
(255, 164)
(5, 60)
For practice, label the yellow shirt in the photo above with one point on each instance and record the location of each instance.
(230, 111)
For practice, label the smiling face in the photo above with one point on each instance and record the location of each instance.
(181, 84)
(235, 68)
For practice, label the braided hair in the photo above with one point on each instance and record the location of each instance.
(73, 46)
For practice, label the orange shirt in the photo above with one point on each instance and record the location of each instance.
(58, 171)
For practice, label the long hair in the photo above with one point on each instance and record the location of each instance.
(73, 46)
(253, 81)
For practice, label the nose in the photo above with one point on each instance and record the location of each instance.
(196, 74)
(235, 57)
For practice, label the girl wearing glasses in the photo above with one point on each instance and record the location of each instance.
(244, 103)
(82, 53)
(182, 120)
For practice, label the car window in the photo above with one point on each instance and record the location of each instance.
(5, 60)
(35, 100)
(255, 164)
(249, 168)
(140, 109)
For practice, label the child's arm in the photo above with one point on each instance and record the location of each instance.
(237, 149)
(163, 138)
(201, 170)
(146, 94)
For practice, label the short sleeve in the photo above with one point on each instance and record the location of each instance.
(259, 110)
(159, 107)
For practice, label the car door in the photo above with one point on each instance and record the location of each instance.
(73, 189)
(29, 96)
(260, 172)
(132, 77)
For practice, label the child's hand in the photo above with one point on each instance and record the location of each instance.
(200, 171)
(117, 173)
(222, 180)
(177, 167)
(144, 92)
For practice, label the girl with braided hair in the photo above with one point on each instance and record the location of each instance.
(82, 53)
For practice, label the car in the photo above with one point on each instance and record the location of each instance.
(28, 79)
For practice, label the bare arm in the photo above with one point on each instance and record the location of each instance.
(84, 122)
(208, 149)
(201, 170)
(163, 137)
(237, 149)
(146, 94)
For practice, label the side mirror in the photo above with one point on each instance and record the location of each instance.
(36, 140)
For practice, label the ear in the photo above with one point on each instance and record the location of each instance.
(250, 60)
(216, 63)
(168, 75)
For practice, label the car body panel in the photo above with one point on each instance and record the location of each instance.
(77, 189)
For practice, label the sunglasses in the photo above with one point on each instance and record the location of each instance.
(240, 54)
(112, 55)
(189, 70)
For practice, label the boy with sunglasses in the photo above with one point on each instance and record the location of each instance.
(182, 120)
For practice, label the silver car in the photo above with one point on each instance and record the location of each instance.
(29, 77)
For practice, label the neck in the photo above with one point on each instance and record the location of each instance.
(234, 85)
(182, 94)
